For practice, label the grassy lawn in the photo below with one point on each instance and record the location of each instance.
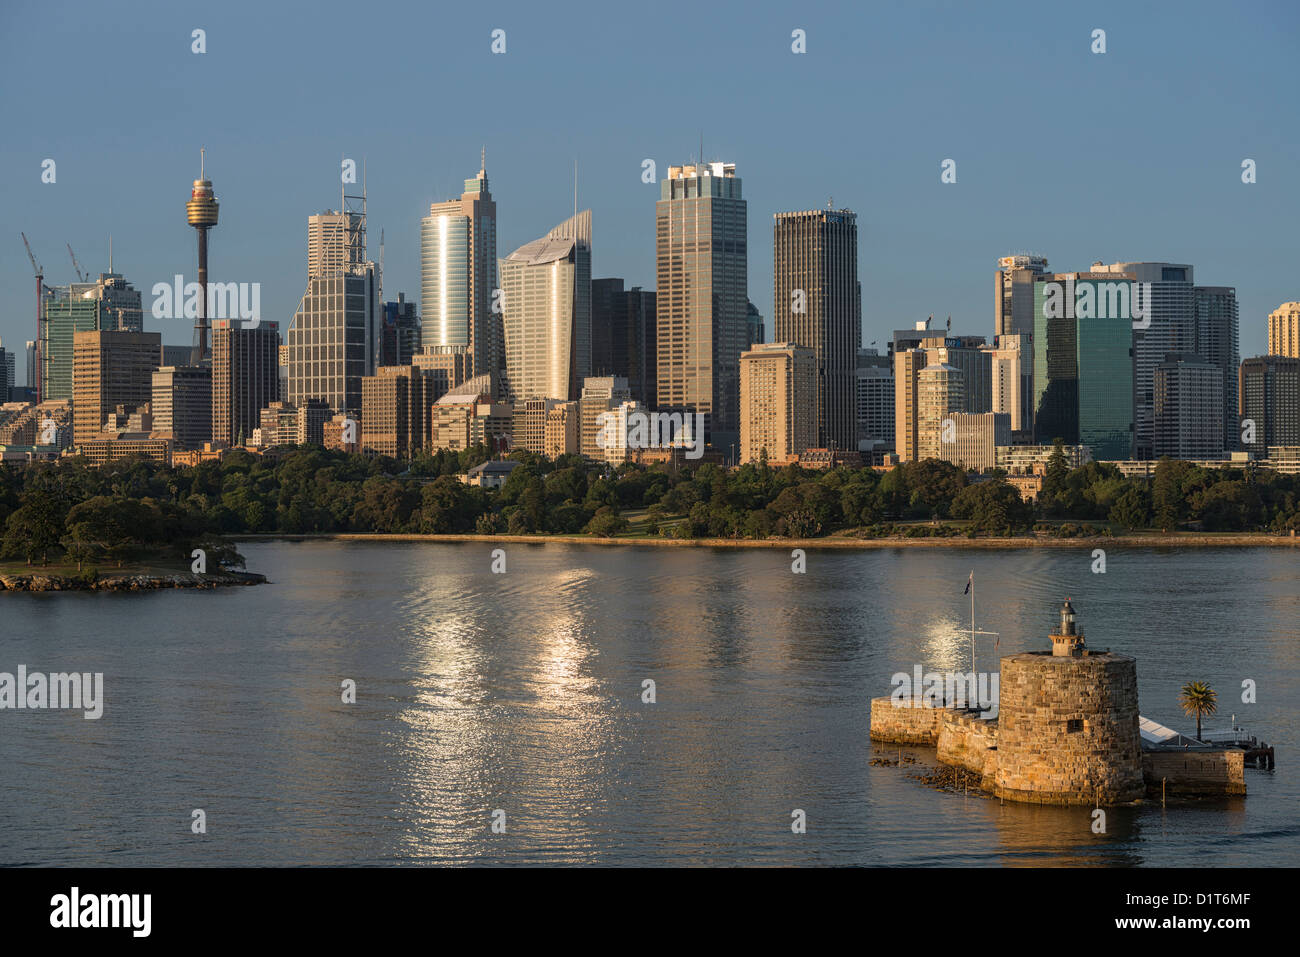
(60, 567)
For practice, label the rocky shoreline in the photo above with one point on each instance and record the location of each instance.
(126, 582)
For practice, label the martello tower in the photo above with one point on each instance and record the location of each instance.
(201, 213)
(1068, 724)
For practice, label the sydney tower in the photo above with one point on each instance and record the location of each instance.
(201, 212)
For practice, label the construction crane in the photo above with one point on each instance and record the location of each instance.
(76, 266)
(40, 280)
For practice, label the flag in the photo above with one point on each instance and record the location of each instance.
(970, 581)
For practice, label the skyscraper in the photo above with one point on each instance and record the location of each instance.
(940, 391)
(1012, 374)
(333, 241)
(1217, 342)
(1083, 365)
(458, 276)
(395, 416)
(1270, 403)
(110, 368)
(778, 399)
(818, 305)
(1013, 294)
(701, 267)
(972, 439)
(546, 293)
(333, 340)
(181, 397)
(1284, 330)
(400, 333)
(908, 364)
(1169, 326)
(108, 304)
(875, 402)
(1188, 408)
(245, 377)
(642, 350)
(608, 328)
(599, 395)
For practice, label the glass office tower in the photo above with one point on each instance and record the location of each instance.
(1083, 370)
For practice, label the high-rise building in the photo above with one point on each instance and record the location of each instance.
(875, 402)
(642, 349)
(333, 338)
(395, 411)
(1217, 342)
(818, 304)
(1284, 330)
(609, 344)
(528, 423)
(1013, 294)
(546, 290)
(1012, 374)
(335, 243)
(974, 439)
(1083, 363)
(7, 368)
(562, 430)
(245, 376)
(458, 276)
(1188, 409)
(1270, 403)
(182, 404)
(110, 369)
(400, 333)
(756, 332)
(623, 333)
(701, 267)
(908, 364)
(940, 391)
(448, 367)
(621, 432)
(599, 395)
(1169, 326)
(778, 401)
(108, 304)
(970, 356)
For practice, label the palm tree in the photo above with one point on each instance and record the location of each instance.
(1198, 699)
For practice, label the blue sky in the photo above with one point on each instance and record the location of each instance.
(1131, 154)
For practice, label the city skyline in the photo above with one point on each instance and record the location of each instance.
(920, 251)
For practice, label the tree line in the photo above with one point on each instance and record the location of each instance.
(135, 506)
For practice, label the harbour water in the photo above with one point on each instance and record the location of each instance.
(523, 692)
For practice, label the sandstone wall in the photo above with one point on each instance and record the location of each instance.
(1196, 772)
(970, 742)
(1068, 730)
(904, 725)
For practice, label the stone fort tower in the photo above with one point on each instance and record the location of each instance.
(1068, 724)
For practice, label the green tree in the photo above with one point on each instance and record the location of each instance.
(1198, 699)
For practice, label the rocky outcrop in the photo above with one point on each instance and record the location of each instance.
(38, 582)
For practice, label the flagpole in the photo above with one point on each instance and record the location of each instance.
(972, 622)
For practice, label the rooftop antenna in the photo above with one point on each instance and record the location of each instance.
(482, 161)
(575, 186)
(110, 235)
(701, 147)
